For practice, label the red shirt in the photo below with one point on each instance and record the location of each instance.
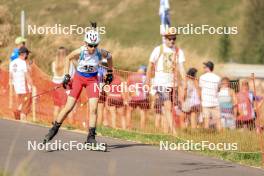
(136, 82)
(244, 106)
(115, 88)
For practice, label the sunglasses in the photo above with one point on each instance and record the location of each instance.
(91, 46)
(171, 38)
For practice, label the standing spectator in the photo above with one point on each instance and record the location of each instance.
(209, 83)
(20, 42)
(166, 65)
(115, 101)
(245, 103)
(191, 99)
(227, 103)
(58, 67)
(164, 16)
(137, 97)
(22, 83)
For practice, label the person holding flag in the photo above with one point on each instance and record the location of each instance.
(165, 72)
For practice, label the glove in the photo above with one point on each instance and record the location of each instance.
(108, 77)
(66, 81)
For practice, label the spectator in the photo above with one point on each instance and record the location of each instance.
(137, 96)
(22, 83)
(115, 102)
(166, 65)
(246, 114)
(58, 66)
(209, 83)
(20, 42)
(227, 103)
(191, 99)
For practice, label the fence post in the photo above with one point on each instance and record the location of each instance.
(34, 103)
(10, 104)
(258, 116)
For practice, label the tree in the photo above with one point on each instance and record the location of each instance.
(224, 48)
(253, 39)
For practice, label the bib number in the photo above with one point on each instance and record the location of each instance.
(89, 69)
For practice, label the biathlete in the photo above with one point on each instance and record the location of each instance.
(89, 57)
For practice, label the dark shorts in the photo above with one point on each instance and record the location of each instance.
(118, 102)
(196, 108)
(102, 97)
(158, 107)
(165, 94)
(142, 104)
(250, 124)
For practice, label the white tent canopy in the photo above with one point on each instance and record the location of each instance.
(242, 70)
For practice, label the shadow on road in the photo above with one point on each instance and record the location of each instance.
(202, 166)
(109, 147)
(118, 146)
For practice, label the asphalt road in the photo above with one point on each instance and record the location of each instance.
(123, 158)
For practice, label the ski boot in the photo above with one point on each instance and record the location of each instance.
(92, 144)
(91, 136)
(52, 132)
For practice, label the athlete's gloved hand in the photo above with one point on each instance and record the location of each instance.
(109, 77)
(66, 81)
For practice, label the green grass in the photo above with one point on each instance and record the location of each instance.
(137, 136)
(70, 127)
(251, 159)
(247, 158)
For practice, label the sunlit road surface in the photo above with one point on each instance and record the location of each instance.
(123, 158)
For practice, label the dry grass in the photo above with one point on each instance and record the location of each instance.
(5, 28)
(138, 18)
(121, 8)
(128, 58)
(5, 25)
